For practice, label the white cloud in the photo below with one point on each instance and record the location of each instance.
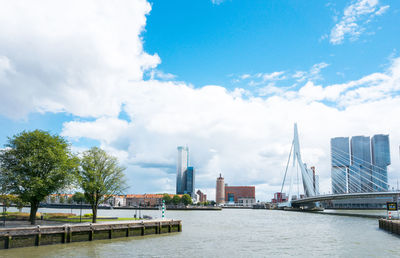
(70, 58)
(217, 2)
(355, 16)
(71, 55)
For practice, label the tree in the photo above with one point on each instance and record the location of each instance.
(186, 199)
(79, 197)
(100, 177)
(176, 199)
(167, 199)
(70, 200)
(35, 164)
(61, 199)
(52, 199)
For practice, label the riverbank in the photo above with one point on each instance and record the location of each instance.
(57, 234)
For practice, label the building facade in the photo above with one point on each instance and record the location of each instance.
(238, 194)
(144, 200)
(340, 158)
(380, 160)
(202, 197)
(220, 190)
(189, 180)
(360, 166)
(360, 174)
(183, 163)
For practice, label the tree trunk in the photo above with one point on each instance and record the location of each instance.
(32, 216)
(94, 211)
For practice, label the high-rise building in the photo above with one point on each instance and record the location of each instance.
(380, 160)
(189, 182)
(220, 190)
(183, 163)
(340, 157)
(362, 167)
(360, 174)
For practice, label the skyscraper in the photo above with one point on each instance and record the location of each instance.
(380, 160)
(363, 166)
(189, 182)
(183, 163)
(360, 174)
(340, 157)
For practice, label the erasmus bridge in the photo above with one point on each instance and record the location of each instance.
(373, 185)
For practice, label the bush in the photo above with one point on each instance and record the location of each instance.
(88, 215)
(58, 215)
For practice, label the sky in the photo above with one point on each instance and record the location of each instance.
(227, 78)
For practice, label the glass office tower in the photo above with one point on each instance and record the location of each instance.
(380, 160)
(360, 177)
(183, 161)
(340, 158)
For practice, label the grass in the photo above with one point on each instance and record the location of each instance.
(75, 219)
(61, 217)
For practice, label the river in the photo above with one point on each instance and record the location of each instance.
(236, 233)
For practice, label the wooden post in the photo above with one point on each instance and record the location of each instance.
(110, 233)
(64, 239)
(169, 227)
(69, 235)
(159, 227)
(143, 229)
(127, 231)
(38, 237)
(8, 242)
(179, 227)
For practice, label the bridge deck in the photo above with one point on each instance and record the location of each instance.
(330, 197)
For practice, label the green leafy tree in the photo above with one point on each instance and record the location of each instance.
(70, 200)
(186, 199)
(176, 199)
(78, 197)
(100, 177)
(61, 199)
(167, 199)
(36, 164)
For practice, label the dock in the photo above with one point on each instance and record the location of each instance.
(392, 226)
(69, 233)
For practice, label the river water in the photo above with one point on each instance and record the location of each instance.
(236, 233)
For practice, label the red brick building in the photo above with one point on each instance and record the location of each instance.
(240, 195)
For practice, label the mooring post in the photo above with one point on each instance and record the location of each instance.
(8, 242)
(38, 236)
(110, 233)
(69, 238)
(91, 233)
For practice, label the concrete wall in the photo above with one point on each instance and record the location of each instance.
(35, 236)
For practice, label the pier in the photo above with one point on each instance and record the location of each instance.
(393, 226)
(47, 235)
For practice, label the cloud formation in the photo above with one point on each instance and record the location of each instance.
(355, 17)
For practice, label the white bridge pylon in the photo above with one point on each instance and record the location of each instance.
(306, 174)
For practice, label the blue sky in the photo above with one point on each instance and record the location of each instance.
(228, 78)
(240, 37)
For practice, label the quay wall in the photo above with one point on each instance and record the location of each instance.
(392, 226)
(47, 235)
